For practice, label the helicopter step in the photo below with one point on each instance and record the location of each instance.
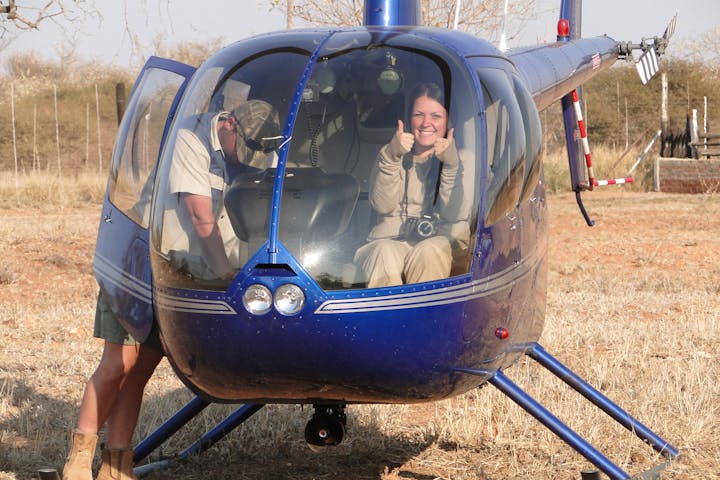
(569, 436)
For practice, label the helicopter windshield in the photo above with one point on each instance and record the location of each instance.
(380, 163)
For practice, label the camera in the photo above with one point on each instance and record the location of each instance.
(415, 229)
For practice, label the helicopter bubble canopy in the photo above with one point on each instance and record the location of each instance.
(310, 125)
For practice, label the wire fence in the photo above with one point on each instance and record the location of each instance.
(59, 130)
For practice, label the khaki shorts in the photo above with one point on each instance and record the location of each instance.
(109, 328)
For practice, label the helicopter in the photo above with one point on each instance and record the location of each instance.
(296, 321)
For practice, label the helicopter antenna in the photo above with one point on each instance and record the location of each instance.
(503, 37)
(457, 14)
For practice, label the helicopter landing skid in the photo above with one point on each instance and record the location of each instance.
(184, 415)
(569, 436)
(498, 379)
(325, 428)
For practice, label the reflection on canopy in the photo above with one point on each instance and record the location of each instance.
(348, 110)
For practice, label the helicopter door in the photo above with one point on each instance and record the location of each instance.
(122, 257)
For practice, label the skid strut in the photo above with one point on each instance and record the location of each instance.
(184, 415)
(168, 429)
(569, 436)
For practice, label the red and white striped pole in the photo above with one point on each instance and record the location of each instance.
(586, 150)
(612, 181)
(583, 137)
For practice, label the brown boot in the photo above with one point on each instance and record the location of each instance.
(79, 461)
(117, 465)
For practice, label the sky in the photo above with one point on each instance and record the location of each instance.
(176, 21)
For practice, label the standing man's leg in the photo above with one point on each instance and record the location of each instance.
(103, 388)
(113, 394)
(101, 394)
(117, 455)
(123, 417)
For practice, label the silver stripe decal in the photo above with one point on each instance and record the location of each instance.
(445, 296)
(189, 305)
(104, 268)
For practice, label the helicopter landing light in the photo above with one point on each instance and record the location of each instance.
(257, 299)
(289, 299)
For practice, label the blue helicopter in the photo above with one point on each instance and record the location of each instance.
(296, 320)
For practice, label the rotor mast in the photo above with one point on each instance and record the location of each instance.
(386, 13)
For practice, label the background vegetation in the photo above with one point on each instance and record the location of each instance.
(65, 113)
(59, 107)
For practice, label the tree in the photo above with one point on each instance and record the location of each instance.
(29, 14)
(478, 17)
(704, 50)
(72, 17)
(26, 15)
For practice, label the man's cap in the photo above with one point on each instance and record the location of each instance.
(258, 126)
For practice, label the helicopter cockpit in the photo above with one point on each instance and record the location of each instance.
(330, 110)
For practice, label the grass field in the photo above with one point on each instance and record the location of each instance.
(633, 307)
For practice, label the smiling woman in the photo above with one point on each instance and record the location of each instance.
(405, 246)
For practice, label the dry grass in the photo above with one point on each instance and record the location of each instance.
(49, 192)
(633, 307)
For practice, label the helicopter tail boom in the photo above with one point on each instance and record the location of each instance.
(556, 72)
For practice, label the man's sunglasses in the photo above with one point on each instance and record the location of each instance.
(265, 144)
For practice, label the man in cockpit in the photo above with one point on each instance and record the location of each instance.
(209, 151)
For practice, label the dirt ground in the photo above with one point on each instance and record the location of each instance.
(667, 243)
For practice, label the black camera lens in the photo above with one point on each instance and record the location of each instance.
(425, 228)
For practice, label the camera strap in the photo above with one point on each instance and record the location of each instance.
(437, 181)
(407, 163)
